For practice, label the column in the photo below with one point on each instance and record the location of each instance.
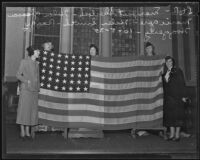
(105, 36)
(66, 30)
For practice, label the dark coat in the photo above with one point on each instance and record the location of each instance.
(174, 91)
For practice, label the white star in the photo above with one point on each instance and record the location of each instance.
(45, 52)
(79, 82)
(52, 54)
(50, 79)
(51, 66)
(43, 71)
(80, 57)
(65, 68)
(66, 56)
(86, 82)
(64, 81)
(87, 63)
(56, 87)
(87, 57)
(66, 62)
(58, 61)
(43, 77)
(72, 62)
(79, 75)
(57, 80)
(71, 75)
(79, 62)
(78, 88)
(57, 67)
(50, 72)
(44, 64)
(48, 85)
(63, 88)
(59, 55)
(51, 60)
(79, 68)
(57, 73)
(72, 69)
(86, 68)
(70, 88)
(44, 58)
(71, 82)
(73, 57)
(85, 89)
(41, 84)
(65, 74)
(86, 75)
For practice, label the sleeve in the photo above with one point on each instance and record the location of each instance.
(20, 73)
(182, 84)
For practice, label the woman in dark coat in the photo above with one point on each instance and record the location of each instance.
(174, 98)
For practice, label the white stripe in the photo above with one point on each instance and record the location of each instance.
(132, 63)
(96, 108)
(97, 120)
(125, 74)
(93, 96)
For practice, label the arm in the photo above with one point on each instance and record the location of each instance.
(20, 71)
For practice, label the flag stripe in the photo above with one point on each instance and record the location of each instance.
(100, 103)
(90, 119)
(98, 108)
(125, 80)
(85, 112)
(137, 125)
(127, 69)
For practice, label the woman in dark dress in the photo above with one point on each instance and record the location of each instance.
(174, 98)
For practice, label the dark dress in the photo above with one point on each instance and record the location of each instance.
(174, 91)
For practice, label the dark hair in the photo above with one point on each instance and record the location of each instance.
(173, 60)
(30, 50)
(93, 45)
(173, 63)
(147, 44)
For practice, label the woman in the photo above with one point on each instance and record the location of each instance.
(149, 51)
(28, 74)
(174, 98)
(94, 50)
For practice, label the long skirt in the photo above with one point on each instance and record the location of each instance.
(27, 112)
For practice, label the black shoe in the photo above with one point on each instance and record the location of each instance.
(29, 137)
(176, 139)
(23, 138)
(170, 138)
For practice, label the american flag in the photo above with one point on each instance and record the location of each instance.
(125, 92)
(64, 72)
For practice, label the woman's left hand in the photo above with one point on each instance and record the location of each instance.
(184, 99)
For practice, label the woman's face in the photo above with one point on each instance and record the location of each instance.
(48, 46)
(36, 53)
(149, 50)
(93, 51)
(169, 63)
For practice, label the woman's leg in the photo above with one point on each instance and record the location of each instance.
(172, 132)
(177, 134)
(27, 131)
(22, 133)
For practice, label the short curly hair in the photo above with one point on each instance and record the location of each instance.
(94, 46)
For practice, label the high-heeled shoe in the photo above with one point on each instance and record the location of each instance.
(22, 138)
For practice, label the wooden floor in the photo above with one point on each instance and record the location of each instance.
(119, 143)
(114, 144)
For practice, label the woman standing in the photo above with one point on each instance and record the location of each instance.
(174, 98)
(28, 74)
(149, 51)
